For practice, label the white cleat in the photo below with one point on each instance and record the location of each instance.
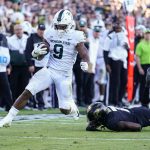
(5, 122)
(76, 115)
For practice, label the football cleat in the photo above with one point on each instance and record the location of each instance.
(76, 115)
(6, 122)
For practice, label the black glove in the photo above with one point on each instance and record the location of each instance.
(92, 126)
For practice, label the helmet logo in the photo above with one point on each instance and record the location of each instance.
(60, 16)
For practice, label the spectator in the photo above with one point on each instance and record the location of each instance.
(89, 76)
(143, 63)
(101, 80)
(19, 76)
(115, 55)
(139, 34)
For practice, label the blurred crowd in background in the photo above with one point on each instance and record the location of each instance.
(25, 17)
(36, 11)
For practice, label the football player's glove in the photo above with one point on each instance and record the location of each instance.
(84, 66)
(40, 49)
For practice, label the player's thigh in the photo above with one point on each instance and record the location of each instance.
(64, 92)
(39, 81)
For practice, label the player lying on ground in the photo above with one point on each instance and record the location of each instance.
(65, 42)
(117, 119)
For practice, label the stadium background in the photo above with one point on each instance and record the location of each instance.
(32, 12)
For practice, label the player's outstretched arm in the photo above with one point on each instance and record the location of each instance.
(129, 126)
(83, 52)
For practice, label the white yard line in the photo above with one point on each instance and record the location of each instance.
(37, 123)
(76, 138)
(46, 117)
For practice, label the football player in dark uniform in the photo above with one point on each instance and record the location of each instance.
(117, 119)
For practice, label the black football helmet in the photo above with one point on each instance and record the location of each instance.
(96, 111)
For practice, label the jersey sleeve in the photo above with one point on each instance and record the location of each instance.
(80, 37)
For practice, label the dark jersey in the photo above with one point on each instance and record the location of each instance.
(140, 115)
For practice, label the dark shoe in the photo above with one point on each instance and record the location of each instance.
(40, 108)
(145, 105)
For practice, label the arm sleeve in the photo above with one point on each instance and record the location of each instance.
(28, 51)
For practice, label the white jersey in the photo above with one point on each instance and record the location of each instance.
(63, 49)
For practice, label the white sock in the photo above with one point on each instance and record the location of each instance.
(13, 112)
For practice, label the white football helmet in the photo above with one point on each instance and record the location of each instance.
(97, 23)
(63, 21)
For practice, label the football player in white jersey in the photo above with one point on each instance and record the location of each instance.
(65, 43)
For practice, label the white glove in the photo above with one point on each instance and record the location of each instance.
(38, 50)
(84, 66)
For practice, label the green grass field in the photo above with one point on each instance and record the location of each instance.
(64, 133)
